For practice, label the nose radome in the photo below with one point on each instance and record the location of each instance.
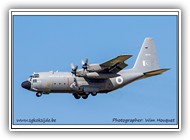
(26, 85)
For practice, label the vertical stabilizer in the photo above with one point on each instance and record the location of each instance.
(147, 58)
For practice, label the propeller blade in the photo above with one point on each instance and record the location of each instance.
(72, 66)
(82, 62)
(75, 81)
(85, 64)
(73, 69)
(76, 67)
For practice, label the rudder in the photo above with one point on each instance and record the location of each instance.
(147, 58)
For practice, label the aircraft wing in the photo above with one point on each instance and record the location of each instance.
(116, 64)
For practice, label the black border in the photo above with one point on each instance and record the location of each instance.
(12, 70)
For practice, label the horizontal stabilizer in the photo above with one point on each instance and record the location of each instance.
(155, 72)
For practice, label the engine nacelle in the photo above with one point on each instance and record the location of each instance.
(96, 75)
(90, 89)
(94, 67)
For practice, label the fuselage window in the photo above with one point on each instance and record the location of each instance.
(34, 80)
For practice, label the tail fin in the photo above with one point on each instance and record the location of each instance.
(147, 59)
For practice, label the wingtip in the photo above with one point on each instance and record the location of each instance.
(125, 55)
(128, 55)
(167, 69)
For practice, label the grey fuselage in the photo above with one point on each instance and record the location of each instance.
(64, 82)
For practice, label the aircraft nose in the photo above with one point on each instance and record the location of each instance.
(26, 85)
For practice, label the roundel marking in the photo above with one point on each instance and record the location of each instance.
(119, 80)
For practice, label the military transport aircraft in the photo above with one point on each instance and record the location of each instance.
(97, 78)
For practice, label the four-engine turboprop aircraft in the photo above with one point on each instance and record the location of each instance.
(97, 78)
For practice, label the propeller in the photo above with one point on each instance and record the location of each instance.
(74, 69)
(85, 64)
(75, 81)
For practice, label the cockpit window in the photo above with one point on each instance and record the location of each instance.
(34, 76)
